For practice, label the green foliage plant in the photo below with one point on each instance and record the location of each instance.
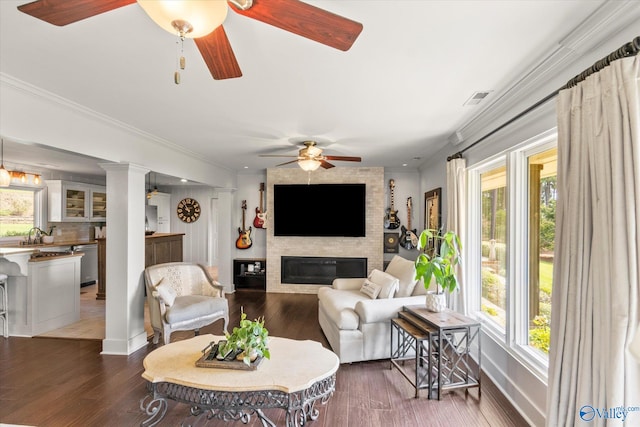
(251, 337)
(440, 264)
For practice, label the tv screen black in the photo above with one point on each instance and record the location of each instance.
(333, 210)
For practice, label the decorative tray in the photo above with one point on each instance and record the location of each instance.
(212, 359)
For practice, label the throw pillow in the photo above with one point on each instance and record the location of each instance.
(370, 289)
(405, 271)
(387, 282)
(167, 293)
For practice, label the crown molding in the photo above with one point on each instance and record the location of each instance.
(608, 20)
(95, 115)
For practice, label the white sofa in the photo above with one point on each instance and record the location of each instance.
(358, 327)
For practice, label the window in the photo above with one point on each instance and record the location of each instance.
(542, 220)
(494, 244)
(509, 258)
(17, 212)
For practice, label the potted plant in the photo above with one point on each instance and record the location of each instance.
(251, 337)
(439, 265)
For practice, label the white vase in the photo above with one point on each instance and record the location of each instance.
(436, 302)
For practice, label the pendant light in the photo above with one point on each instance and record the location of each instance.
(5, 177)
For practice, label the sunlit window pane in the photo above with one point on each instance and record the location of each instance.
(494, 244)
(542, 215)
(16, 212)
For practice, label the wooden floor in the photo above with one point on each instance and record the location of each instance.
(64, 382)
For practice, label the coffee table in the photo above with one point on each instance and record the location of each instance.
(298, 374)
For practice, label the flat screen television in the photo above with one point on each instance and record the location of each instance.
(331, 210)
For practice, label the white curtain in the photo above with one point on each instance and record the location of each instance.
(456, 184)
(595, 303)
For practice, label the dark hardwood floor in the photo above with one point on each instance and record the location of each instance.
(62, 382)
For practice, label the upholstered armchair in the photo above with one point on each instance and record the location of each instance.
(182, 296)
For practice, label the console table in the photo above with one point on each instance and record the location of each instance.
(298, 374)
(440, 346)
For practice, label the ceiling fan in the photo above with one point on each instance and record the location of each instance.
(290, 15)
(310, 158)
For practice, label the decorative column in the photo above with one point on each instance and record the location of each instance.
(125, 332)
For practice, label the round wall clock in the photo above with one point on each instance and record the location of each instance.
(188, 210)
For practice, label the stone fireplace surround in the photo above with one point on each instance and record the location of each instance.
(369, 247)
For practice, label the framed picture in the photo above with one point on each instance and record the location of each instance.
(432, 213)
(391, 243)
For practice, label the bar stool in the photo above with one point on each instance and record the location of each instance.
(4, 307)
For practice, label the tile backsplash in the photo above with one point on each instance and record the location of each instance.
(65, 231)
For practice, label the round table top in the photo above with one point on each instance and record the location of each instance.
(294, 366)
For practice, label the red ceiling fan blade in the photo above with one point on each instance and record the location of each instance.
(218, 55)
(344, 158)
(63, 12)
(326, 164)
(306, 21)
(286, 163)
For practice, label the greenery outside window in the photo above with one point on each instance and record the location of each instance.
(542, 213)
(18, 212)
(494, 244)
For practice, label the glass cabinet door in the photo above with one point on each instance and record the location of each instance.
(75, 203)
(98, 205)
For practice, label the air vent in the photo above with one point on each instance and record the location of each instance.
(477, 97)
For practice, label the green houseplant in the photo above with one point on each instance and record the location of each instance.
(251, 337)
(438, 264)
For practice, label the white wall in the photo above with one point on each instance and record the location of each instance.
(406, 185)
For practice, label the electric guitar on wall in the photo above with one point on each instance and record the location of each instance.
(391, 219)
(408, 238)
(260, 221)
(244, 240)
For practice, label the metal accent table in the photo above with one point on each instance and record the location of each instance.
(441, 344)
(299, 374)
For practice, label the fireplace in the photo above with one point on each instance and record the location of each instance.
(320, 270)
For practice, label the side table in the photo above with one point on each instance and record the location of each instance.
(442, 344)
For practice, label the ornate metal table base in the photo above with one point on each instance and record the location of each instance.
(234, 406)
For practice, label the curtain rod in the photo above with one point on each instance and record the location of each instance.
(629, 49)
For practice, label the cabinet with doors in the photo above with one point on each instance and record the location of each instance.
(163, 202)
(76, 202)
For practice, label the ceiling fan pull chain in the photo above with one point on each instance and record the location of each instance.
(181, 62)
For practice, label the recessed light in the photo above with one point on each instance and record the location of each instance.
(404, 164)
(184, 180)
(246, 167)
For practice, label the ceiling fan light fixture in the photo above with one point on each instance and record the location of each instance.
(200, 16)
(309, 165)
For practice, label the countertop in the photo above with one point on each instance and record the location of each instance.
(156, 235)
(11, 248)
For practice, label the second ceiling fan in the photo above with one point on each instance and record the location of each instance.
(290, 15)
(311, 158)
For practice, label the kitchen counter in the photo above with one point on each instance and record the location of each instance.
(16, 248)
(44, 292)
(157, 235)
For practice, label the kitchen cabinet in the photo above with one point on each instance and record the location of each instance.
(160, 248)
(76, 202)
(163, 202)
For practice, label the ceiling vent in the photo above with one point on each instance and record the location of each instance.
(477, 97)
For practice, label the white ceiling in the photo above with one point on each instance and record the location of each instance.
(393, 98)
